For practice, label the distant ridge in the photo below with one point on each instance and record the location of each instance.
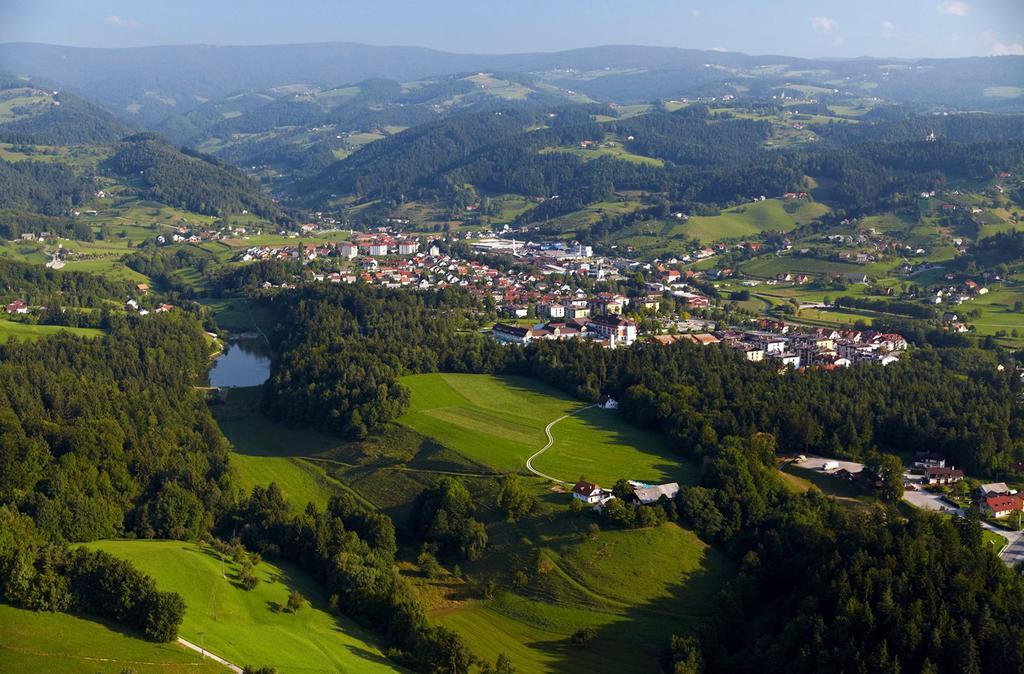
(146, 84)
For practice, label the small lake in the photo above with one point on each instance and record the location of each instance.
(245, 362)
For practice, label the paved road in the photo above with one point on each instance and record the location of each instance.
(1011, 554)
(207, 654)
(551, 441)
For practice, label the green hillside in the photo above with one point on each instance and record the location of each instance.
(250, 627)
(58, 643)
(500, 421)
(750, 219)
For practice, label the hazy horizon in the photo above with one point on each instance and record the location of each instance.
(873, 28)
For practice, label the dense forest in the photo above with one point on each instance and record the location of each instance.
(190, 181)
(48, 188)
(98, 439)
(73, 122)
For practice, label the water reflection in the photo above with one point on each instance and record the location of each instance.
(245, 362)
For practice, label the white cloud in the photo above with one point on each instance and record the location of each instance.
(721, 49)
(954, 7)
(1012, 49)
(823, 24)
(120, 22)
(888, 28)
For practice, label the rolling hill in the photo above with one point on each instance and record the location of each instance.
(148, 84)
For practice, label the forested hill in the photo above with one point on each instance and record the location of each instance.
(62, 119)
(191, 181)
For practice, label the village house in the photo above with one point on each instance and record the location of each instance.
(587, 492)
(942, 475)
(16, 307)
(1001, 506)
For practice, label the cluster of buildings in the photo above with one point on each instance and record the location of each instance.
(610, 330)
(802, 347)
(641, 494)
(370, 245)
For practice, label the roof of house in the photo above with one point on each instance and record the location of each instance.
(939, 471)
(1003, 503)
(584, 488)
(652, 494)
(995, 488)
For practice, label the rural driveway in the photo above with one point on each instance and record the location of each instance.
(551, 441)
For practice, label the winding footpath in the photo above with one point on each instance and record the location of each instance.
(207, 654)
(551, 441)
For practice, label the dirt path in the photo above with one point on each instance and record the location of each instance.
(207, 654)
(551, 441)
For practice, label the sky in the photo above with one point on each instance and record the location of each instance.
(826, 28)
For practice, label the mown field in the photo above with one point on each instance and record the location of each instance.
(499, 422)
(58, 643)
(251, 627)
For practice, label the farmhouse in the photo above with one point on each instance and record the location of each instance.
(586, 492)
(942, 475)
(16, 307)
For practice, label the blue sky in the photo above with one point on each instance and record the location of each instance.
(903, 28)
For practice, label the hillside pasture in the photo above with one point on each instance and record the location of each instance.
(59, 643)
(750, 219)
(15, 330)
(499, 422)
(252, 627)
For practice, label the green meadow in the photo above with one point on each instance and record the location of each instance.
(749, 219)
(16, 330)
(499, 422)
(58, 643)
(252, 627)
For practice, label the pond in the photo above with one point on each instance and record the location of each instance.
(245, 362)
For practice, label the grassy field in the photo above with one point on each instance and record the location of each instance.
(499, 422)
(615, 151)
(249, 627)
(15, 330)
(749, 219)
(266, 452)
(635, 587)
(58, 643)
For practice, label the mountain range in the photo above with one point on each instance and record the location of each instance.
(148, 84)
